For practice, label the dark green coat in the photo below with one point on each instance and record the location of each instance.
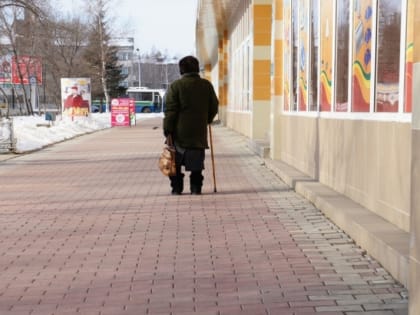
(191, 104)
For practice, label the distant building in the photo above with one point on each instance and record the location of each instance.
(125, 55)
(155, 72)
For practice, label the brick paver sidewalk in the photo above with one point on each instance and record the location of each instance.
(88, 227)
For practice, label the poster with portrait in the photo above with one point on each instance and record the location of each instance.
(6, 69)
(75, 96)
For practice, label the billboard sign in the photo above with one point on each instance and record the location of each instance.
(6, 69)
(121, 111)
(26, 70)
(75, 96)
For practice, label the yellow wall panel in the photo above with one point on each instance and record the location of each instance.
(262, 39)
(262, 25)
(278, 14)
(262, 80)
(262, 93)
(278, 46)
(262, 67)
(278, 67)
(278, 87)
(262, 11)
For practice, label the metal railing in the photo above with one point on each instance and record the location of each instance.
(7, 140)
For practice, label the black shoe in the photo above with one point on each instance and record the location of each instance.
(195, 190)
(177, 184)
(196, 181)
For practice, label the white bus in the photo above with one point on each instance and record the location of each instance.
(147, 100)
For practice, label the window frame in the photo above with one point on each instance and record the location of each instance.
(399, 116)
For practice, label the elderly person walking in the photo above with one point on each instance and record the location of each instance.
(191, 104)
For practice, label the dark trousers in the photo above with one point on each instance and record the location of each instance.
(177, 181)
(193, 160)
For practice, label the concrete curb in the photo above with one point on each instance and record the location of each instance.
(381, 239)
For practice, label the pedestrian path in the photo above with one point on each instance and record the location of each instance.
(89, 227)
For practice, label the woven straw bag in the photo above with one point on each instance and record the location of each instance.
(166, 161)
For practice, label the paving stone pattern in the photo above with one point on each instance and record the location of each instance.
(88, 227)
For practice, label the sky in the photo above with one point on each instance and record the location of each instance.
(166, 25)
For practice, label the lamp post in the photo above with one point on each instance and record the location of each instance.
(166, 75)
(139, 65)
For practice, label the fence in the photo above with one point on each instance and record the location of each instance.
(7, 141)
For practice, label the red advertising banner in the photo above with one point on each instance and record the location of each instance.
(121, 111)
(29, 67)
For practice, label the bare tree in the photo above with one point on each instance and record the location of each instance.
(98, 50)
(8, 18)
(19, 23)
(32, 5)
(62, 50)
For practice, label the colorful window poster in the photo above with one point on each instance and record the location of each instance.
(303, 54)
(75, 96)
(326, 43)
(295, 55)
(313, 62)
(287, 53)
(409, 58)
(362, 54)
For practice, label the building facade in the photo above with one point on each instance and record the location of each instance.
(329, 87)
(125, 55)
(155, 72)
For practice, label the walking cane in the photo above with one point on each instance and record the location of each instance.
(212, 159)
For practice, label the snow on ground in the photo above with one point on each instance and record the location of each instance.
(34, 132)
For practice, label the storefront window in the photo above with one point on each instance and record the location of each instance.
(342, 55)
(313, 86)
(326, 51)
(362, 54)
(295, 58)
(303, 55)
(287, 54)
(388, 60)
(409, 58)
